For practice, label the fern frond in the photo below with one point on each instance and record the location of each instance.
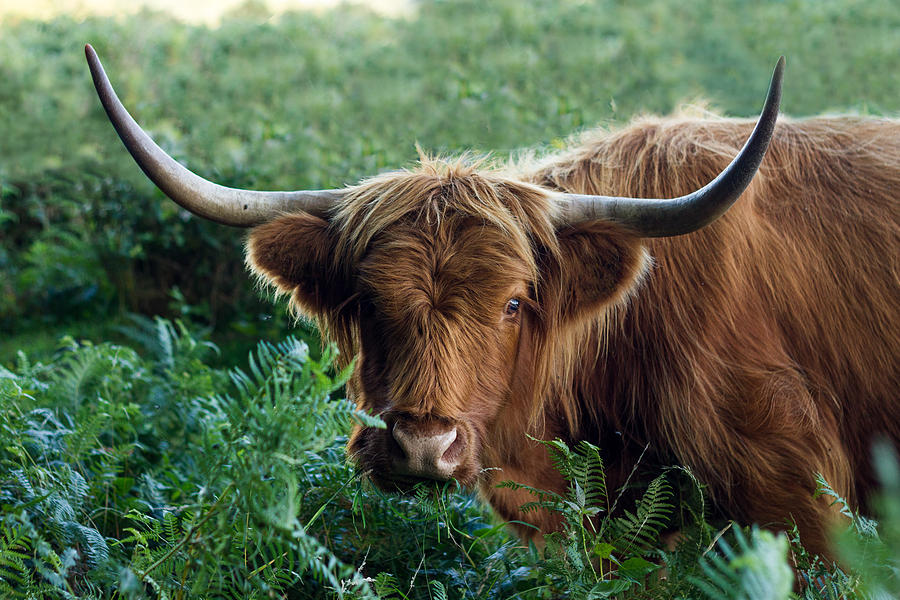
(438, 591)
(758, 568)
(864, 526)
(591, 475)
(15, 550)
(639, 531)
(81, 368)
(545, 499)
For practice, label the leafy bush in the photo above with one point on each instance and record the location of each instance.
(134, 475)
(593, 532)
(319, 100)
(164, 477)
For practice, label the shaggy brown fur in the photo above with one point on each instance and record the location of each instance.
(758, 351)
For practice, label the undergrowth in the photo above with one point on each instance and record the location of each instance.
(155, 475)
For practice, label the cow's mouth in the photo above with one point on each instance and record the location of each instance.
(396, 482)
(407, 485)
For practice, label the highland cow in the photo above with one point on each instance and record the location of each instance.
(604, 293)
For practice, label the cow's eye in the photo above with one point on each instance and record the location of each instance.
(512, 307)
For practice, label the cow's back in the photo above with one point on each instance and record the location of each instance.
(776, 325)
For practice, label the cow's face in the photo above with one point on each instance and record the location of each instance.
(441, 316)
(447, 303)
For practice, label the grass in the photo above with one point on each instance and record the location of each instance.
(42, 343)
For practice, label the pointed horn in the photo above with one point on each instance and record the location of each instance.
(677, 216)
(229, 206)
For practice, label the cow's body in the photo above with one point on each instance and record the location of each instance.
(758, 351)
(483, 304)
(764, 348)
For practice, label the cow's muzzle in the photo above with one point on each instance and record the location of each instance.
(432, 453)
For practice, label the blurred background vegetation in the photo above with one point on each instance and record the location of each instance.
(321, 99)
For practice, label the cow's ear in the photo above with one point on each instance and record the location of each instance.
(598, 264)
(294, 254)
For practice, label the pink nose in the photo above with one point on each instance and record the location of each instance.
(426, 455)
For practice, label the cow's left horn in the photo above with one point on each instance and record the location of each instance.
(677, 216)
(230, 206)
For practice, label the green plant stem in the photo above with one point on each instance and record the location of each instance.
(187, 537)
(333, 496)
(260, 569)
(588, 556)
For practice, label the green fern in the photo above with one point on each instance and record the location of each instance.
(869, 550)
(281, 412)
(78, 373)
(29, 568)
(597, 554)
(386, 586)
(15, 550)
(865, 527)
(757, 568)
(90, 494)
(634, 533)
(170, 344)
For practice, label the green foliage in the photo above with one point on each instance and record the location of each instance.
(600, 552)
(604, 552)
(310, 100)
(869, 549)
(757, 568)
(161, 476)
(129, 475)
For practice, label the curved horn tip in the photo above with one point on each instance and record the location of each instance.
(779, 70)
(678, 216)
(777, 76)
(229, 206)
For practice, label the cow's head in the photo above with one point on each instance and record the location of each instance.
(445, 282)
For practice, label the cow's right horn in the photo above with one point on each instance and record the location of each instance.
(229, 206)
(677, 216)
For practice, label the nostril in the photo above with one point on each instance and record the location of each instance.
(453, 450)
(396, 444)
(443, 441)
(402, 437)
